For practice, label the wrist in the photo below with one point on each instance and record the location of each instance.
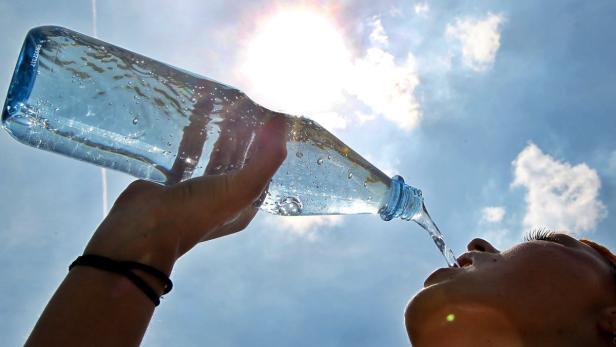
(142, 248)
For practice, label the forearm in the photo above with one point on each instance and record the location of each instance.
(95, 308)
(154, 226)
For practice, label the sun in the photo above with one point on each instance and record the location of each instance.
(296, 62)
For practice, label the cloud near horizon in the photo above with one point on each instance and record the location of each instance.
(307, 227)
(559, 196)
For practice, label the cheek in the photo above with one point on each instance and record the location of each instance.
(541, 281)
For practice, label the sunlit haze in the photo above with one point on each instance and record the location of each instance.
(296, 62)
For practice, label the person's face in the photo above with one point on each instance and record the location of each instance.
(527, 293)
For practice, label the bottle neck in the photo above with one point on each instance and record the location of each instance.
(404, 201)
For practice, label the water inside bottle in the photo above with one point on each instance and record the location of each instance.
(93, 101)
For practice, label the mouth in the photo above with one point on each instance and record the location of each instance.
(443, 274)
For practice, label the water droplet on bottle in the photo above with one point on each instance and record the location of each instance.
(320, 161)
(350, 175)
(299, 154)
(135, 120)
(289, 206)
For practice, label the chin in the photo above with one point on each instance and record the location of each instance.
(428, 305)
(416, 312)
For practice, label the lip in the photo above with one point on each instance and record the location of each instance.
(466, 261)
(441, 275)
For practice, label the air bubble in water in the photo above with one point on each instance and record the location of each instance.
(289, 206)
(320, 161)
(299, 154)
(350, 175)
(135, 120)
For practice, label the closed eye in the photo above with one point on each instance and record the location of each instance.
(551, 236)
(541, 235)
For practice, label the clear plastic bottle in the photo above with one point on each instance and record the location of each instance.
(87, 99)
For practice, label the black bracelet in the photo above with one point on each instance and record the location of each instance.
(124, 268)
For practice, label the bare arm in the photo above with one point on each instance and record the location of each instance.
(153, 225)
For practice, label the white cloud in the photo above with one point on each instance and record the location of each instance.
(387, 87)
(491, 228)
(364, 117)
(492, 214)
(422, 8)
(330, 120)
(378, 35)
(303, 226)
(560, 196)
(479, 40)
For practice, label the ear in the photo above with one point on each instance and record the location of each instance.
(607, 320)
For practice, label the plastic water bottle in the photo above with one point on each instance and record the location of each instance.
(87, 99)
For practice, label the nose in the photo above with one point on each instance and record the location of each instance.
(481, 245)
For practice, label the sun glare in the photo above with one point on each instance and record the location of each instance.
(296, 62)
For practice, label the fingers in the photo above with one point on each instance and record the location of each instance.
(239, 223)
(265, 158)
(235, 136)
(207, 199)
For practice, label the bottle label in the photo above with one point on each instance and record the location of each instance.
(35, 56)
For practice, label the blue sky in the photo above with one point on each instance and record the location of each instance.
(501, 112)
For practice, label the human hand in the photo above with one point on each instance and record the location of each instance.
(155, 225)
